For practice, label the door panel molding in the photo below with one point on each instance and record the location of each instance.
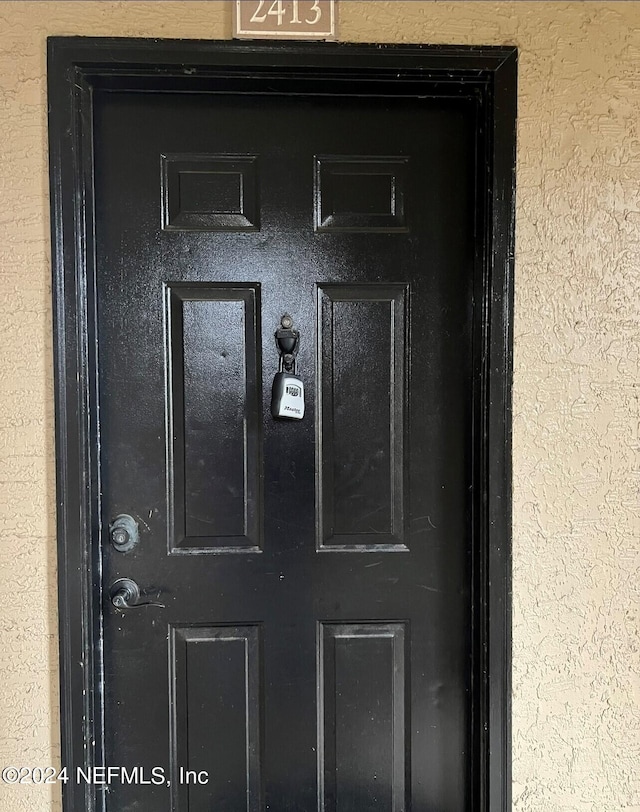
(343, 525)
(362, 690)
(236, 667)
(76, 66)
(239, 367)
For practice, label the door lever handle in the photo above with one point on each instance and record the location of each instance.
(126, 594)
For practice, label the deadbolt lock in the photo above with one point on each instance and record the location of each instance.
(124, 533)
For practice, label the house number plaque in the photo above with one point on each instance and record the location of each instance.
(284, 19)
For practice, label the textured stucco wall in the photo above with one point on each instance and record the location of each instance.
(577, 564)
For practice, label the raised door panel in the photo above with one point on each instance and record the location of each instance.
(214, 419)
(363, 347)
(363, 739)
(217, 701)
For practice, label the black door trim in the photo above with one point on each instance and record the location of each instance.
(77, 65)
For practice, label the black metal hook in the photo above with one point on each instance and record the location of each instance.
(287, 342)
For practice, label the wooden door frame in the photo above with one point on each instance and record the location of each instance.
(77, 66)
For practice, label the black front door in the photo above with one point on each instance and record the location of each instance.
(303, 636)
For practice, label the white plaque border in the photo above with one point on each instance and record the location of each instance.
(240, 33)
